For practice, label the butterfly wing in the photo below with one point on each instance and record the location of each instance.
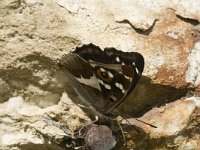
(81, 77)
(116, 72)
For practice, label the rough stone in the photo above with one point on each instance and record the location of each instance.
(100, 138)
(175, 126)
(39, 108)
(4, 91)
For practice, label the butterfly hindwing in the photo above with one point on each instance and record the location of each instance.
(114, 85)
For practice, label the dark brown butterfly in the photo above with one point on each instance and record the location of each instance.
(103, 79)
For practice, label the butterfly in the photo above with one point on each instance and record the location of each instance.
(102, 78)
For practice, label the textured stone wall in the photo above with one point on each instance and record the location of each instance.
(35, 110)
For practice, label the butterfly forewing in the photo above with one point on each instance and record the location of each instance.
(74, 66)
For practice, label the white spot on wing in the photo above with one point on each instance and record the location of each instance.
(113, 98)
(120, 86)
(107, 86)
(90, 82)
(126, 77)
(137, 70)
(102, 69)
(110, 74)
(117, 59)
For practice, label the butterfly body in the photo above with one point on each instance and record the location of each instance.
(106, 77)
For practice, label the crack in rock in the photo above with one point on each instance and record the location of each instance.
(191, 21)
(144, 29)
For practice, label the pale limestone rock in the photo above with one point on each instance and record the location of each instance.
(35, 108)
(10, 4)
(173, 121)
(31, 2)
(192, 75)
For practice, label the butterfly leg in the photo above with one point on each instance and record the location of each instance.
(121, 129)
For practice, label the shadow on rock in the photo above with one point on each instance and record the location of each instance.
(148, 95)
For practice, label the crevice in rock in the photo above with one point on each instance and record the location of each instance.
(24, 68)
(148, 95)
(191, 21)
(140, 30)
(34, 78)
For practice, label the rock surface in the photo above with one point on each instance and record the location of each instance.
(36, 111)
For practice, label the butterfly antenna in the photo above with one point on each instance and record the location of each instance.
(132, 125)
(122, 131)
(139, 121)
(145, 123)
